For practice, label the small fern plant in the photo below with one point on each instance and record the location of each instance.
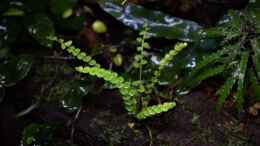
(238, 61)
(130, 93)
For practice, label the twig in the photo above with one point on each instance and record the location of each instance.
(27, 110)
(150, 135)
(73, 124)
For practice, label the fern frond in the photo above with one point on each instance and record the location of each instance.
(166, 60)
(129, 94)
(203, 75)
(254, 84)
(76, 52)
(225, 89)
(210, 73)
(241, 79)
(256, 56)
(207, 60)
(155, 109)
(171, 54)
(126, 88)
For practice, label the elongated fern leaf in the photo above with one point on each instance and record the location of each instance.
(225, 89)
(209, 59)
(254, 84)
(203, 75)
(241, 80)
(256, 56)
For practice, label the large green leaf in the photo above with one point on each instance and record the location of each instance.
(40, 27)
(74, 94)
(241, 73)
(15, 69)
(69, 93)
(162, 25)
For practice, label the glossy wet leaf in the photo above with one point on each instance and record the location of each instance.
(162, 25)
(40, 27)
(70, 93)
(15, 69)
(75, 94)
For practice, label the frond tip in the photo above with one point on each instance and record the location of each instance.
(155, 109)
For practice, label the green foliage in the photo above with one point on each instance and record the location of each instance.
(225, 90)
(40, 27)
(13, 12)
(37, 134)
(238, 55)
(140, 60)
(167, 59)
(241, 79)
(256, 56)
(255, 86)
(176, 28)
(36, 18)
(76, 52)
(128, 90)
(129, 93)
(155, 109)
(64, 90)
(13, 70)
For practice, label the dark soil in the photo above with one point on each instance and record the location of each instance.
(102, 121)
(194, 122)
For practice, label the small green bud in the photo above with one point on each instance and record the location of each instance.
(118, 60)
(67, 13)
(99, 26)
(68, 43)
